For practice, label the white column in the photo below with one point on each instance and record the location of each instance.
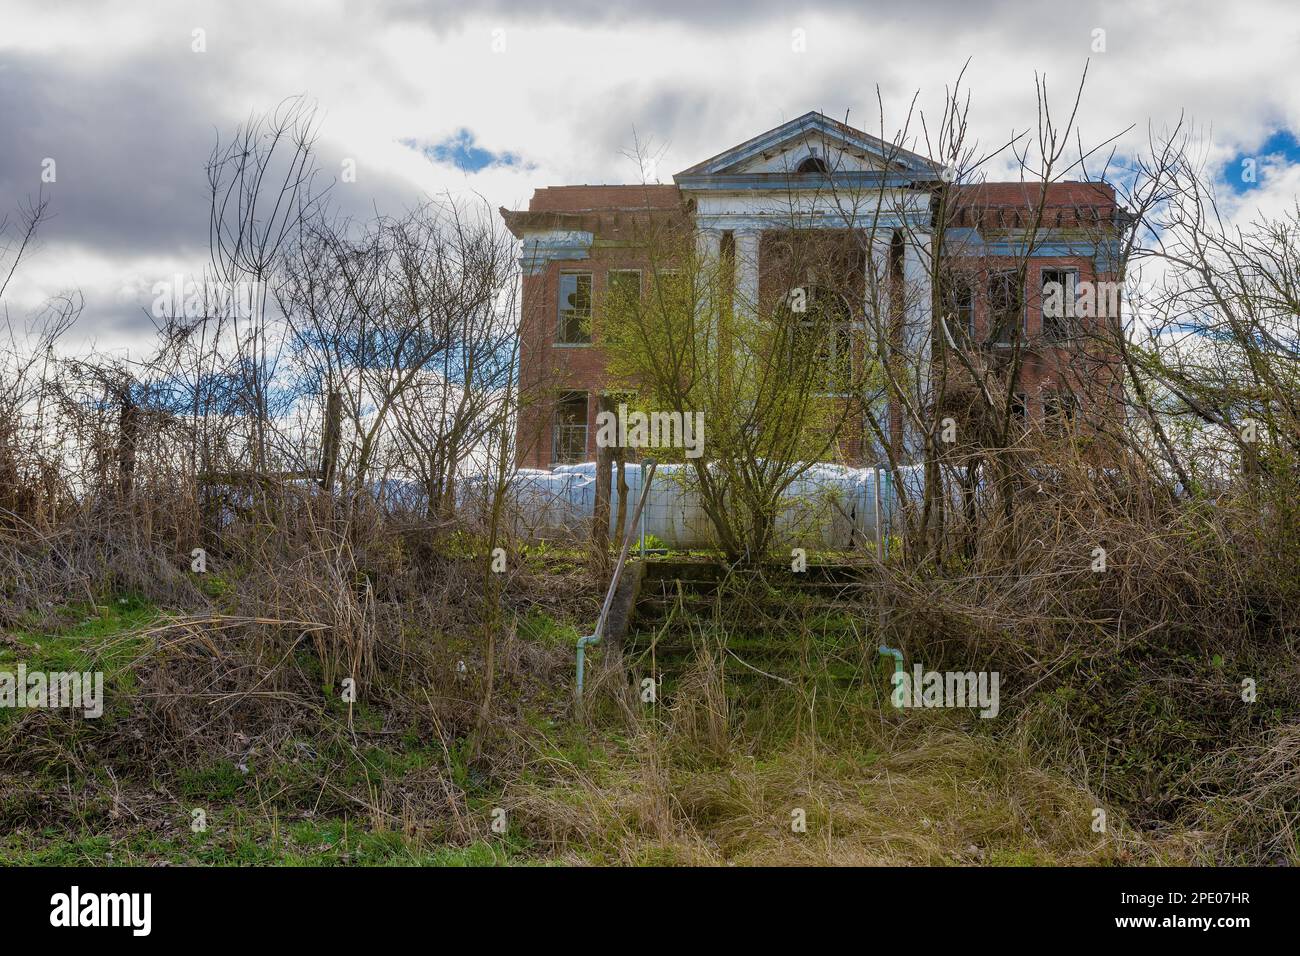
(745, 289)
(877, 293)
(917, 296)
(708, 244)
(917, 327)
(708, 252)
(877, 297)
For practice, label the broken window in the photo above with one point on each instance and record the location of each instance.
(1059, 298)
(1019, 409)
(1060, 411)
(575, 309)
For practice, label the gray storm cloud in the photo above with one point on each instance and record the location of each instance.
(115, 95)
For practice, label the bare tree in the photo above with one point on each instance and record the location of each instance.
(262, 186)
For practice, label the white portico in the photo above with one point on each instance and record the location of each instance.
(816, 173)
(813, 172)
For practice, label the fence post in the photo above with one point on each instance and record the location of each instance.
(620, 519)
(331, 438)
(600, 513)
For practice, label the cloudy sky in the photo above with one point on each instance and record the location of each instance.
(500, 97)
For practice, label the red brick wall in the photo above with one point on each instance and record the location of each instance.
(1076, 365)
(614, 214)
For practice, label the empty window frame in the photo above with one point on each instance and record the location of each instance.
(569, 434)
(1060, 304)
(959, 304)
(574, 326)
(1060, 411)
(1006, 306)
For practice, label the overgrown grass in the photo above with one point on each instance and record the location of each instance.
(871, 787)
(770, 737)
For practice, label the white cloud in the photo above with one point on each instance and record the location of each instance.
(571, 83)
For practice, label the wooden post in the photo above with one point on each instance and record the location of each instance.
(331, 439)
(620, 458)
(600, 516)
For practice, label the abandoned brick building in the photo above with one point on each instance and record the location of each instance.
(1010, 241)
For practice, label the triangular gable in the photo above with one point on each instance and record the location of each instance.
(842, 146)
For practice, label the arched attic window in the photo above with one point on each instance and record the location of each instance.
(813, 164)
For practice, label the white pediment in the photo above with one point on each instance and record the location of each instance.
(791, 155)
(812, 136)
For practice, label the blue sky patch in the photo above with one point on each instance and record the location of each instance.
(460, 150)
(1245, 171)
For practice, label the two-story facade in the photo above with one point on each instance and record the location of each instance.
(996, 246)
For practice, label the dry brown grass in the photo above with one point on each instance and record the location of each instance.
(1120, 690)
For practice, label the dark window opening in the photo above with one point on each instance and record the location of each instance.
(823, 334)
(1060, 411)
(959, 302)
(570, 438)
(813, 164)
(1006, 307)
(1059, 304)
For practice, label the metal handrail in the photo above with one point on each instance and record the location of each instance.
(598, 634)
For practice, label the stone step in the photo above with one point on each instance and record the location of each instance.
(760, 607)
(684, 623)
(711, 571)
(768, 645)
(746, 667)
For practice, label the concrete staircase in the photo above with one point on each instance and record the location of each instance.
(767, 624)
